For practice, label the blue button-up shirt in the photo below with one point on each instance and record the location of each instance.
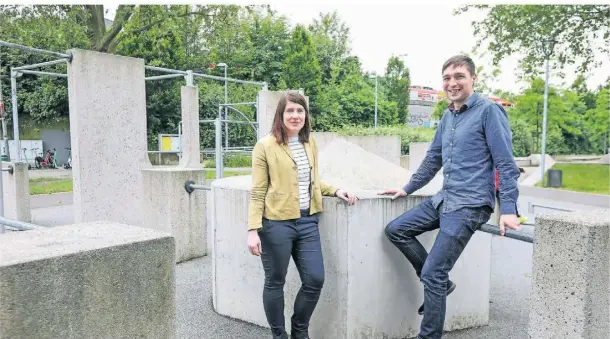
(469, 145)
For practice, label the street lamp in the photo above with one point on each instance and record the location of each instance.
(222, 64)
(374, 76)
(547, 49)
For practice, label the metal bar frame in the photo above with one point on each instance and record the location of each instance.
(19, 225)
(517, 235)
(166, 70)
(161, 77)
(35, 50)
(42, 64)
(245, 82)
(239, 104)
(59, 75)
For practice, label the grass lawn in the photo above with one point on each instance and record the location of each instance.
(59, 185)
(50, 185)
(589, 178)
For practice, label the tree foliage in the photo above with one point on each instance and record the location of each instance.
(580, 31)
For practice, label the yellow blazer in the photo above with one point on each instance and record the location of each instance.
(275, 187)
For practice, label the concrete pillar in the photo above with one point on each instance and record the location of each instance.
(571, 276)
(108, 136)
(267, 104)
(169, 208)
(370, 289)
(86, 281)
(16, 193)
(190, 128)
(417, 153)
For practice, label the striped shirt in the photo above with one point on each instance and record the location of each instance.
(300, 157)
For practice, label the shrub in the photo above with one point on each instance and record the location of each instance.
(230, 161)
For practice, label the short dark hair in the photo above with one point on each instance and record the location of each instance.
(279, 130)
(460, 60)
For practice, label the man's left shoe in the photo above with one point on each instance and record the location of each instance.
(294, 335)
(451, 288)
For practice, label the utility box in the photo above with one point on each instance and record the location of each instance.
(554, 178)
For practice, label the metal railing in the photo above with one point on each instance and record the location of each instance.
(190, 186)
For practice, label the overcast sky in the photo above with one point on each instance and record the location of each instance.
(428, 33)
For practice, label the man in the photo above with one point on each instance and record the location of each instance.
(472, 139)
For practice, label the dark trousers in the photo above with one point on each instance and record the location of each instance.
(299, 239)
(456, 229)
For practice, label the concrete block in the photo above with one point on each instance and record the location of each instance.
(108, 134)
(370, 290)
(571, 276)
(385, 146)
(16, 192)
(267, 104)
(190, 128)
(417, 153)
(169, 208)
(404, 161)
(86, 281)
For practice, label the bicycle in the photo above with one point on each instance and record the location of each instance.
(48, 161)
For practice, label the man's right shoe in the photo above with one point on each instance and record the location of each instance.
(451, 288)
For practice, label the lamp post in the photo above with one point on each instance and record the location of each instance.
(222, 64)
(374, 76)
(547, 49)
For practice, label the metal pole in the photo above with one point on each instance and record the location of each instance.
(245, 82)
(15, 114)
(5, 153)
(544, 118)
(161, 77)
(225, 112)
(44, 73)
(219, 164)
(2, 228)
(239, 104)
(35, 50)
(189, 78)
(42, 64)
(167, 70)
(376, 84)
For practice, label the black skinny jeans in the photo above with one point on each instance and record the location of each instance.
(299, 239)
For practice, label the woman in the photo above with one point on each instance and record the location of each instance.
(285, 203)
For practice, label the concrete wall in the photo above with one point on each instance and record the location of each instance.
(108, 136)
(385, 146)
(267, 104)
(370, 289)
(539, 200)
(86, 281)
(169, 208)
(16, 192)
(571, 276)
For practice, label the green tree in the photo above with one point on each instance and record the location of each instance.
(580, 32)
(301, 68)
(397, 83)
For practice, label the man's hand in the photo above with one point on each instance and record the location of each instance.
(509, 220)
(396, 192)
(350, 198)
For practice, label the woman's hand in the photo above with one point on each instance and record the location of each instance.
(349, 197)
(254, 243)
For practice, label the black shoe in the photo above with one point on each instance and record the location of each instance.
(294, 335)
(451, 288)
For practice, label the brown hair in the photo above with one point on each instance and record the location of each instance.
(460, 60)
(279, 130)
